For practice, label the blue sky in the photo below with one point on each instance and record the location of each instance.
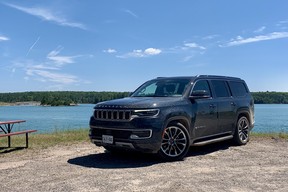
(113, 45)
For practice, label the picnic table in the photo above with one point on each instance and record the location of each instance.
(7, 126)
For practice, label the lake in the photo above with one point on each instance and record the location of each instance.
(268, 118)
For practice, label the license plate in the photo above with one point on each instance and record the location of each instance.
(107, 139)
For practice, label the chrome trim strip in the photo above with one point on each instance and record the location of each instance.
(95, 127)
(150, 131)
(212, 141)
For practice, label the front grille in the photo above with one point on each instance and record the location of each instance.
(117, 115)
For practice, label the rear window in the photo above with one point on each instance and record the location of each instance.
(220, 88)
(238, 89)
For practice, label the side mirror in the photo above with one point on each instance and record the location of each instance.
(200, 94)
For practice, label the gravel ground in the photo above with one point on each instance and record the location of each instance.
(261, 165)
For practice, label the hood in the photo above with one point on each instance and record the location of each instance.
(139, 102)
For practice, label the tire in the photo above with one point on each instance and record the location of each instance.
(242, 131)
(175, 142)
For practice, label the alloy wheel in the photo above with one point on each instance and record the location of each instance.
(174, 141)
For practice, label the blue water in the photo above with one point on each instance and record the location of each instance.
(268, 118)
(271, 118)
(48, 119)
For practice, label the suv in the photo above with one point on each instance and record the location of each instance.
(167, 115)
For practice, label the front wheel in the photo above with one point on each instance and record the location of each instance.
(242, 132)
(175, 142)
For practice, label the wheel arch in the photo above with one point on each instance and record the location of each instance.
(184, 121)
(244, 113)
(241, 113)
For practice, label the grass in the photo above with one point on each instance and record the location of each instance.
(67, 137)
(42, 141)
(280, 135)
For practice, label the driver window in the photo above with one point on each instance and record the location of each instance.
(202, 85)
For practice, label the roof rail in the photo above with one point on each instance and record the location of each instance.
(217, 76)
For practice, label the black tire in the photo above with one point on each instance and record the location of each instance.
(242, 131)
(175, 142)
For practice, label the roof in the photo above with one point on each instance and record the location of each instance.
(201, 76)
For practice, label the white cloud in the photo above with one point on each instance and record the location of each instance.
(240, 40)
(110, 51)
(60, 60)
(193, 45)
(209, 37)
(140, 53)
(3, 38)
(47, 15)
(283, 24)
(45, 75)
(152, 51)
(260, 30)
(47, 71)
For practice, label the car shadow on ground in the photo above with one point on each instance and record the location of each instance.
(108, 160)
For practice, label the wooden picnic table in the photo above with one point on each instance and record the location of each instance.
(7, 126)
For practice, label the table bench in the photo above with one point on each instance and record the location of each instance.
(6, 130)
(17, 133)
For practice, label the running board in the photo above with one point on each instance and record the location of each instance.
(212, 140)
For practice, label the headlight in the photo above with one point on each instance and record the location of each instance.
(146, 112)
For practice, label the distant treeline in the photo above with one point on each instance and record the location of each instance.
(56, 98)
(270, 97)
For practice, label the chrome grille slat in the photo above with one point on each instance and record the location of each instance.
(114, 115)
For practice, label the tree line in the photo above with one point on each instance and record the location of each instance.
(56, 98)
(270, 97)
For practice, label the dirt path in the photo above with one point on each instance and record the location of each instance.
(261, 165)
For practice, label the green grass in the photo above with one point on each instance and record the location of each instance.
(67, 137)
(41, 141)
(280, 135)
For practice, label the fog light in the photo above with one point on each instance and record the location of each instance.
(143, 134)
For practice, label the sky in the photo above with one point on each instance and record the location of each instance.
(113, 45)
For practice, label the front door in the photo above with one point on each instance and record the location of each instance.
(205, 123)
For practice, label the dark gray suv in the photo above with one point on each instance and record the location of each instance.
(167, 115)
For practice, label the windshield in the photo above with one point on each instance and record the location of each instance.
(162, 88)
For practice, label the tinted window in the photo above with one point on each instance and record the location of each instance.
(202, 85)
(220, 88)
(238, 89)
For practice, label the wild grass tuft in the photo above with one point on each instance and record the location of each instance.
(41, 141)
(280, 135)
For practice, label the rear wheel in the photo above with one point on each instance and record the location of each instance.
(242, 132)
(175, 142)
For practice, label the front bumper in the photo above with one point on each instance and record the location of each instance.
(144, 140)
